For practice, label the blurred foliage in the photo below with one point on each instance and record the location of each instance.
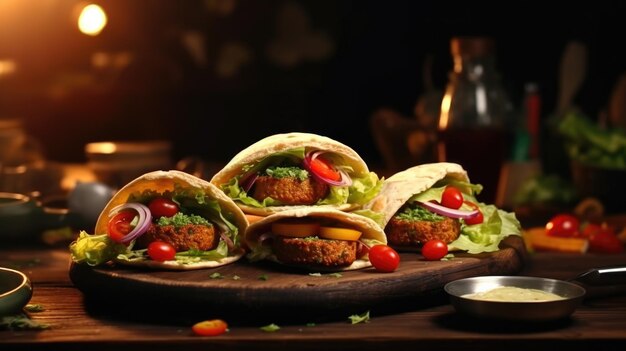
(593, 145)
(546, 189)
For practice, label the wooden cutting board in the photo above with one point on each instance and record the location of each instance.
(268, 289)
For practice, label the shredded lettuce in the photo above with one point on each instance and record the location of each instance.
(183, 257)
(377, 217)
(95, 249)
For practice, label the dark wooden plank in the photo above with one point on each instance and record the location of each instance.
(287, 291)
(438, 327)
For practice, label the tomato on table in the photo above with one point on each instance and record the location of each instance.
(163, 207)
(434, 250)
(563, 225)
(602, 239)
(120, 225)
(322, 168)
(384, 258)
(211, 327)
(161, 251)
(452, 198)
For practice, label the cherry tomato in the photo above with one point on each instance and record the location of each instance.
(564, 225)
(162, 207)
(479, 218)
(211, 327)
(452, 198)
(119, 225)
(161, 251)
(605, 241)
(384, 258)
(434, 250)
(324, 169)
(588, 229)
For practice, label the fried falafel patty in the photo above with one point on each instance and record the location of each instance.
(405, 232)
(314, 251)
(182, 238)
(289, 190)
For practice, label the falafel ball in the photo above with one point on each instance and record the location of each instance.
(314, 251)
(403, 231)
(182, 238)
(289, 190)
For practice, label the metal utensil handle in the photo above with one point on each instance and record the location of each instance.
(603, 276)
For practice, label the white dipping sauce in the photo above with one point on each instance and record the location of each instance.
(513, 294)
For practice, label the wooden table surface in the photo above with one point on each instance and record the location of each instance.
(600, 323)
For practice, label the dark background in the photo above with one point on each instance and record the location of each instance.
(372, 57)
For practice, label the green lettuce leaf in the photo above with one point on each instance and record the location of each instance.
(95, 249)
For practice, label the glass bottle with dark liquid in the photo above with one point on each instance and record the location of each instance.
(475, 122)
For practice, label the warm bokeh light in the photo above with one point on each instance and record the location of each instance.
(92, 20)
(7, 67)
(100, 148)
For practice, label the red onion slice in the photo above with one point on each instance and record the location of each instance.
(228, 241)
(264, 237)
(448, 212)
(247, 183)
(145, 219)
(345, 179)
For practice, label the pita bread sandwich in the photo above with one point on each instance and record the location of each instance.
(314, 239)
(290, 170)
(166, 220)
(437, 201)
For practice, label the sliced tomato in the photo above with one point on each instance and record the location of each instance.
(211, 327)
(478, 219)
(339, 233)
(322, 168)
(120, 225)
(296, 230)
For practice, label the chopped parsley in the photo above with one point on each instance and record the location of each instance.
(270, 328)
(418, 213)
(264, 277)
(31, 307)
(21, 322)
(180, 219)
(287, 172)
(360, 318)
(216, 275)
